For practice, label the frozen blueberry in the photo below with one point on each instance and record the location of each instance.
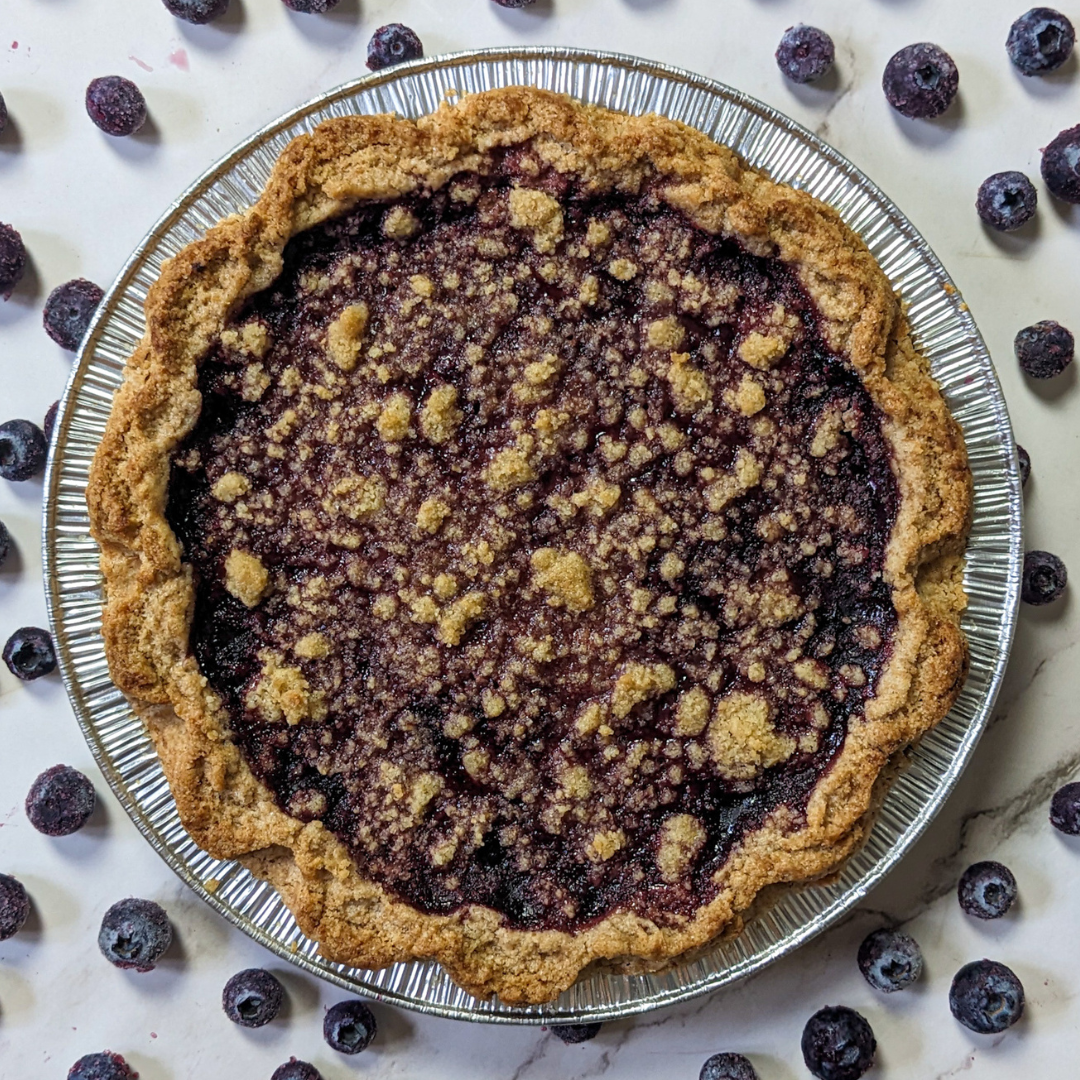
(23, 449)
(252, 998)
(838, 1044)
(196, 11)
(986, 996)
(393, 44)
(1006, 201)
(68, 311)
(14, 906)
(3, 113)
(571, 1034)
(134, 934)
(1040, 41)
(1024, 458)
(805, 53)
(50, 421)
(1065, 809)
(514, 3)
(1044, 349)
(116, 105)
(12, 259)
(986, 890)
(29, 653)
(728, 1067)
(890, 960)
(349, 1026)
(294, 1069)
(311, 7)
(1060, 166)
(5, 542)
(920, 81)
(1044, 578)
(60, 801)
(104, 1066)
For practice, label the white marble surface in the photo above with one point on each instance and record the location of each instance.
(82, 201)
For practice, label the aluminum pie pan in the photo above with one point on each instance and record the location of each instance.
(942, 329)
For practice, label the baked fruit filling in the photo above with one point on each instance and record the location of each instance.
(537, 541)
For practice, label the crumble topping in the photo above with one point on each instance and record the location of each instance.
(537, 541)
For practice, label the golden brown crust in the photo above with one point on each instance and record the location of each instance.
(149, 593)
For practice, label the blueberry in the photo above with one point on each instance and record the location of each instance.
(134, 934)
(60, 801)
(29, 653)
(1044, 578)
(393, 44)
(1006, 201)
(12, 259)
(294, 1069)
(920, 81)
(1040, 41)
(1044, 349)
(1024, 458)
(5, 542)
(1061, 164)
(838, 1044)
(986, 996)
(514, 3)
(252, 998)
(23, 450)
(728, 1067)
(3, 113)
(349, 1026)
(805, 53)
(50, 421)
(68, 311)
(571, 1034)
(311, 7)
(196, 11)
(1065, 809)
(986, 890)
(14, 906)
(890, 960)
(104, 1066)
(116, 105)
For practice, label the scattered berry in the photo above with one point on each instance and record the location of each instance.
(68, 312)
(196, 11)
(920, 81)
(104, 1066)
(252, 998)
(60, 801)
(116, 105)
(12, 258)
(514, 3)
(1006, 201)
(29, 653)
(393, 44)
(571, 1034)
(1040, 41)
(3, 113)
(728, 1067)
(1024, 458)
(5, 542)
(134, 934)
(23, 449)
(838, 1044)
(1065, 809)
(1061, 164)
(311, 7)
(986, 997)
(1044, 578)
(293, 1069)
(50, 421)
(986, 890)
(890, 960)
(1044, 349)
(349, 1026)
(14, 906)
(805, 53)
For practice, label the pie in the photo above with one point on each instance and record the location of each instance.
(527, 534)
